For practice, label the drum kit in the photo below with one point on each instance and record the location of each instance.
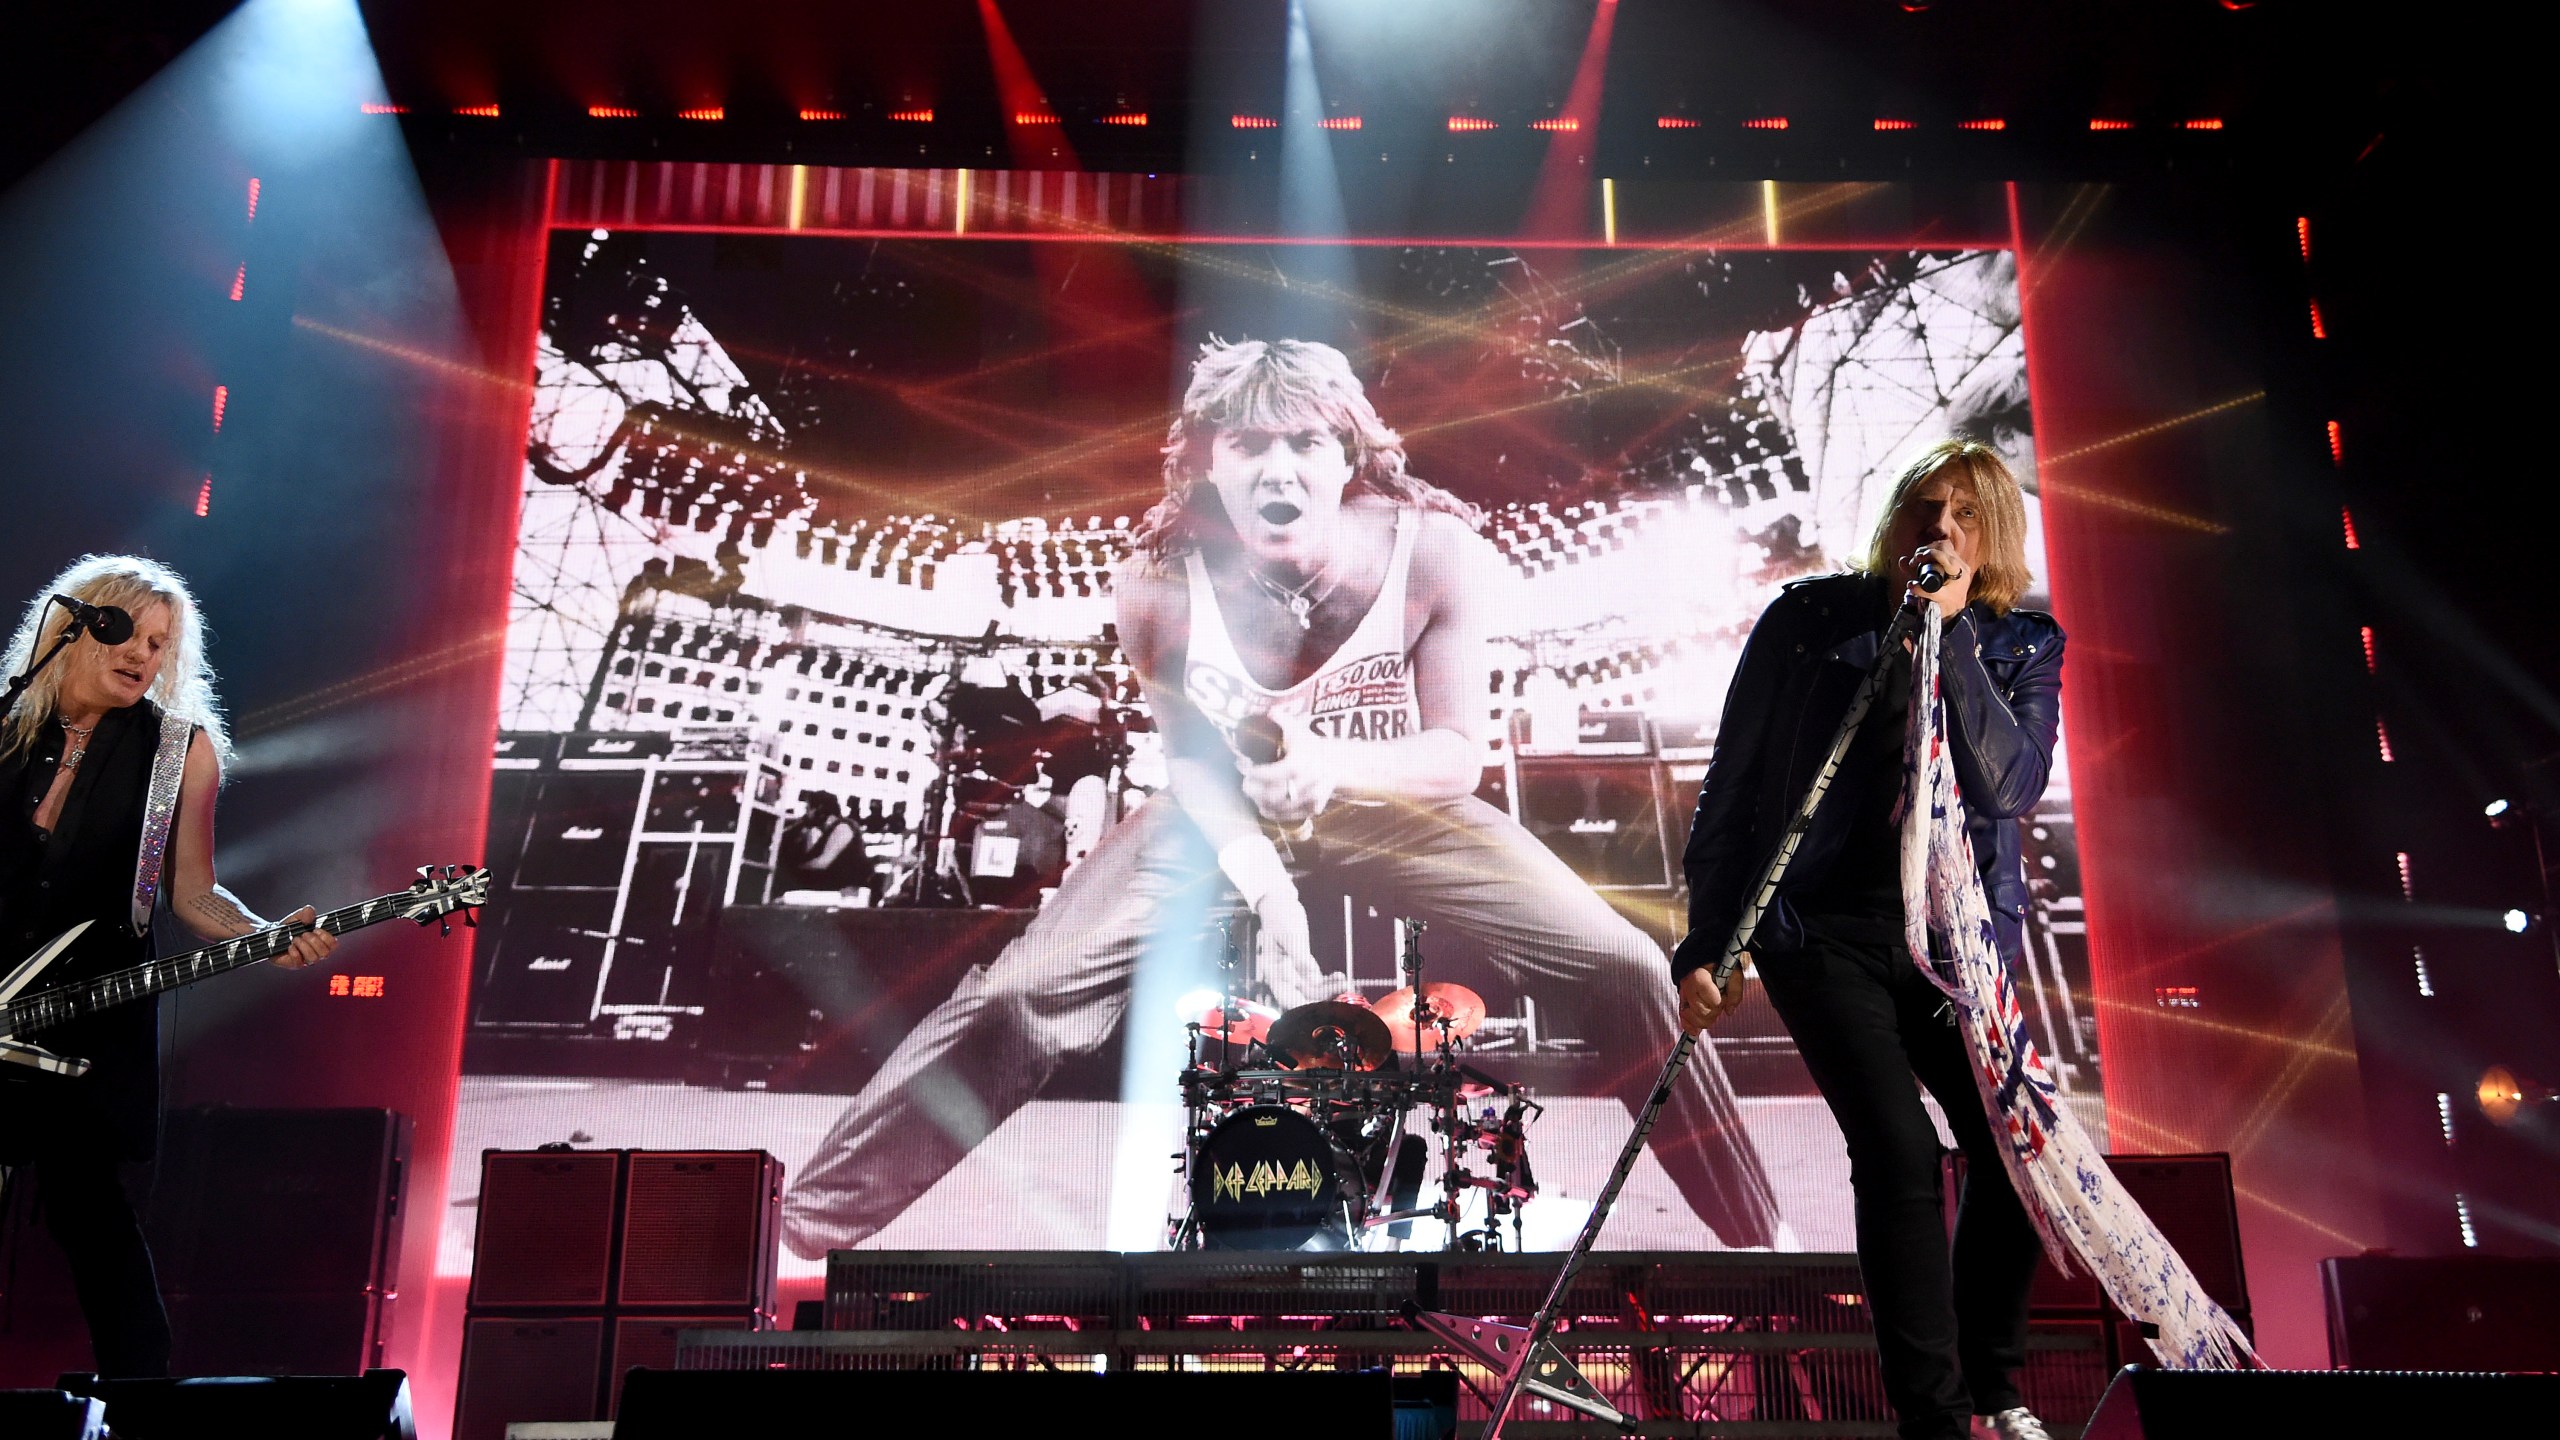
(1298, 1131)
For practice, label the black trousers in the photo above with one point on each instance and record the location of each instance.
(1951, 1331)
(82, 1201)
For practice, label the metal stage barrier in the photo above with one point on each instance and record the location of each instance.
(1689, 1344)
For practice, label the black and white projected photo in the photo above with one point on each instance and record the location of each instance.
(954, 687)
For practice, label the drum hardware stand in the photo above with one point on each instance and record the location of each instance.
(1526, 1357)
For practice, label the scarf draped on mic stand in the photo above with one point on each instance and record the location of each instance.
(2081, 1212)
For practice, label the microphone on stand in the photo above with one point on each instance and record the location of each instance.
(112, 625)
(1931, 577)
(1261, 741)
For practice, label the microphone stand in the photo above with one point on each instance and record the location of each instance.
(18, 683)
(1526, 1358)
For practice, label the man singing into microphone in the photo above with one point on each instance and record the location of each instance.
(1830, 946)
(1295, 575)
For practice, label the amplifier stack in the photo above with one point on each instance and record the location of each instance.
(589, 1262)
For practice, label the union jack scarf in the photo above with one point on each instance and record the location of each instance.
(2080, 1211)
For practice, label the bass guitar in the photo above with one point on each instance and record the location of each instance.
(439, 892)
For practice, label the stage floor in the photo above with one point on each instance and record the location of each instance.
(1042, 1180)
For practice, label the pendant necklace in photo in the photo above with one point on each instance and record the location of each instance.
(1301, 605)
(79, 742)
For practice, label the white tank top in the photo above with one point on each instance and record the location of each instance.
(1365, 692)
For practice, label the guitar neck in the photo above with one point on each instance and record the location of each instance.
(70, 1002)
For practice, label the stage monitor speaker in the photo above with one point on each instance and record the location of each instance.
(689, 1404)
(2456, 1312)
(700, 1229)
(370, 1406)
(2148, 1404)
(1603, 817)
(51, 1415)
(2189, 1197)
(545, 1236)
(527, 1369)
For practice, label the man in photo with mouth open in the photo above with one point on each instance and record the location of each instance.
(1294, 571)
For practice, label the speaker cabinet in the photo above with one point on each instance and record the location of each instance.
(2188, 1197)
(648, 1342)
(542, 1368)
(545, 1235)
(2455, 1312)
(276, 1234)
(701, 1230)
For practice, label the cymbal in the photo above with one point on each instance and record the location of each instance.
(1251, 1024)
(1313, 1035)
(1461, 1008)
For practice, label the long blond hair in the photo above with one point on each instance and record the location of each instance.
(133, 584)
(1278, 385)
(2003, 575)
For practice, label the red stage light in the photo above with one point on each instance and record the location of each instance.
(1565, 124)
(1034, 117)
(2097, 124)
(2382, 737)
(221, 402)
(703, 112)
(1135, 119)
(1674, 122)
(2337, 445)
(2408, 886)
(2347, 520)
(2319, 328)
(821, 114)
(2302, 234)
(253, 198)
(923, 116)
(612, 112)
(1253, 122)
(204, 496)
(1459, 124)
(375, 107)
(1339, 122)
(1884, 124)
(2204, 124)
(1766, 122)
(2367, 632)
(239, 280)
(1992, 123)
(479, 112)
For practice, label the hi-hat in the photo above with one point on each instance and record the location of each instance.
(1458, 1008)
(1326, 1033)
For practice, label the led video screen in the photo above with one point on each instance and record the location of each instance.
(886, 646)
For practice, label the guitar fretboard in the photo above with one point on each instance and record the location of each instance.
(87, 997)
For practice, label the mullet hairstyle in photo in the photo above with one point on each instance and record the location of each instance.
(1968, 465)
(132, 584)
(1278, 386)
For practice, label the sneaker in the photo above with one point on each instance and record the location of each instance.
(2015, 1423)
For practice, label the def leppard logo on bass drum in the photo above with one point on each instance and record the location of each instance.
(1234, 1183)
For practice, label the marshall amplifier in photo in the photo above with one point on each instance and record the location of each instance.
(1602, 816)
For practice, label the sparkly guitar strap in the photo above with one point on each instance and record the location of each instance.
(159, 809)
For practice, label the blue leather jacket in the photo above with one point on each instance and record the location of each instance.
(2003, 685)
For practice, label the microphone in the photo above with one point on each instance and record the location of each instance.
(111, 624)
(1932, 578)
(1261, 741)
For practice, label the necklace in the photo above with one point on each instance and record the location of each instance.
(1301, 605)
(79, 742)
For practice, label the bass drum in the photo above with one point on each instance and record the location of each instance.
(1269, 1178)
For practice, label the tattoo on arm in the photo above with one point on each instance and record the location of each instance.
(220, 912)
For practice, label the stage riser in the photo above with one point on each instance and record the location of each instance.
(1771, 1343)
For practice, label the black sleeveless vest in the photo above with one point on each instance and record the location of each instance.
(49, 883)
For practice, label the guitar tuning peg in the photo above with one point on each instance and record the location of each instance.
(445, 926)
(470, 917)
(425, 871)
